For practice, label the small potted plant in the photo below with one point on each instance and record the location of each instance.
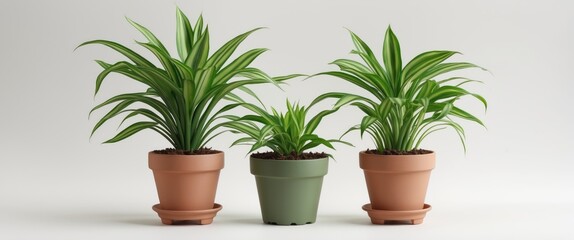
(289, 177)
(181, 104)
(407, 103)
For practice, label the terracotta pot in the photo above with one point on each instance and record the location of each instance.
(397, 182)
(289, 190)
(186, 184)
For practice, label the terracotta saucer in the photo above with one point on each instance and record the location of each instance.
(201, 217)
(380, 216)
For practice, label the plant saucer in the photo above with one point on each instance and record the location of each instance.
(386, 216)
(201, 217)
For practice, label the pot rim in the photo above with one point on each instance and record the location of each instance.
(397, 163)
(290, 160)
(205, 154)
(186, 163)
(289, 168)
(365, 152)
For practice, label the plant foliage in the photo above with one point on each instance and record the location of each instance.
(286, 133)
(407, 102)
(181, 102)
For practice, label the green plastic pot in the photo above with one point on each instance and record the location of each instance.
(289, 190)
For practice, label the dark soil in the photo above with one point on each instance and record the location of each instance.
(292, 156)
(173, 151)
(396, 152)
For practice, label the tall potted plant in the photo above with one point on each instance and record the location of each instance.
(289, 177)
(181, 104)
(407, 103)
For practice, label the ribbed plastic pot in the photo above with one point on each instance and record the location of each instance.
(186, 182)
(289, 190)
(397, 182)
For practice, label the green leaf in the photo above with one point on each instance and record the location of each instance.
(149, 35)
(121, 97)
(282, 79)
(455, 111)
(444, 68)
(446, 92)
(184, 72)
(352, 66)
(380, 93)
(199, 52)
(421, 63)
(108, 69)
(244, 128)
(198, 28)
(316, 120)
(222, 54)
(182, 99)
(366, 123)
(203, 81)
(408, 103)
(348, 98)
(392, 55)
(339, 141)
(243, 141)
(136, 58)
(367, 54)
(237, 65)
(146, 113)
(344, 100)
(284, 133)
(444, 112)
(112, 113)
(164, 59)
(131, 130)
(184, 35)
(364, 78)
(251, 93)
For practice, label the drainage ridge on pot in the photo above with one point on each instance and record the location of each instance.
(289, 190)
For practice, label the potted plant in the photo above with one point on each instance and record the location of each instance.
(181, 104)
(407, 103)
(289, 177)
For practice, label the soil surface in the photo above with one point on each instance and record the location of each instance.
(173, 151)
(395, 152)
(292, 156)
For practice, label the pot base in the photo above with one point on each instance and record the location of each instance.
(200, 217)
(385, 216)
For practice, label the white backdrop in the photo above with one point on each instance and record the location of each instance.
(514, 181)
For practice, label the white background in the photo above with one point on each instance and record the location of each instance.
(515, 181)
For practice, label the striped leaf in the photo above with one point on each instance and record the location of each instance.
(199, 52)
(409, 104)
(423, 62)
(164, 59)
(112, 113)
(184, 35)
(367, 54)
(237, 65)
(222, 54)
(136, 58)
(283, 133)
(131, 130)
(392, 55)
(182, 98)
(149, 35)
